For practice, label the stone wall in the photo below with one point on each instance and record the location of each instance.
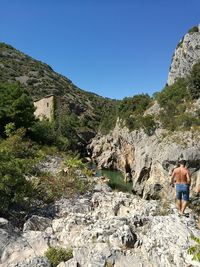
(45, 107)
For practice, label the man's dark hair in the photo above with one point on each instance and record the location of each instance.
(182, 162)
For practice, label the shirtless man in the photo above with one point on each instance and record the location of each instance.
(181, 177)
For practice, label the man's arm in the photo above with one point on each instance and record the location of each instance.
(188, 177)
(172, 178)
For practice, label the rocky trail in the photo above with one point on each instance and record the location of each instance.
(103, 228)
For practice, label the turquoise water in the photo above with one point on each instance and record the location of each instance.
(116, 180)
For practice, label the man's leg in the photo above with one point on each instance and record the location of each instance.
(183, 206)
(185, 199)
(178, 198)
(179, 205)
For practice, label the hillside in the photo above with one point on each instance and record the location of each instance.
(40, 80)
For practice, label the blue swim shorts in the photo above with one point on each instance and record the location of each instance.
(182, 192)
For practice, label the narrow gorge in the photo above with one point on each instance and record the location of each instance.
(69, 207)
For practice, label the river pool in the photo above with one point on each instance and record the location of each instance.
(116, 180)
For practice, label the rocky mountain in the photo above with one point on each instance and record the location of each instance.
(187, 53)
(40, 80)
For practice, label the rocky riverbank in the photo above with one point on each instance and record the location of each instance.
(103, 228)
(148, 159)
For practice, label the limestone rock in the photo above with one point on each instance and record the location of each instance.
(185, 56)
(34, 262)
(69, 263)
(36, 223)
(6, 225)
(107, 228)
(148, 159)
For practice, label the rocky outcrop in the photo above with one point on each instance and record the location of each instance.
(103, 228)
(148, 159)
(187, 54)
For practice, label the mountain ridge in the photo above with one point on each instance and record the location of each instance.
(40, 80)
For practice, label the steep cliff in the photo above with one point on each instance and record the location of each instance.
(148, 159)
(168, 130)
(187, 53)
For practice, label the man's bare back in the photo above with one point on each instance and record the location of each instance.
(181, 175)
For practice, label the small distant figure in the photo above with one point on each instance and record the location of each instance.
(181, 177)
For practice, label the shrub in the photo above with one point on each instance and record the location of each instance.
(174, 100)
(194, 82)
(148, 124)
(195, 250)
(43, 132)
(56, 255)
(108, 264)
(173, 95)
(193, 29)
(49, 188)
(108, 119)
(17, 157)
(134, 105)
(131, 109)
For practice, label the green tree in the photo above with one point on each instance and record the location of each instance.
(16, 106)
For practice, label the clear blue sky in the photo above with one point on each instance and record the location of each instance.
(115, 48)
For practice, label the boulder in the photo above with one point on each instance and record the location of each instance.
(36, 223)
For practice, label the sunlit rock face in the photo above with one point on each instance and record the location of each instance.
(148, 159)
(101, 228)
(187, 54)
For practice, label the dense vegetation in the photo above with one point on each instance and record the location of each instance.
(176, 110)
(19, 156)
(22, 138)
(176, 102)
(132, 109)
